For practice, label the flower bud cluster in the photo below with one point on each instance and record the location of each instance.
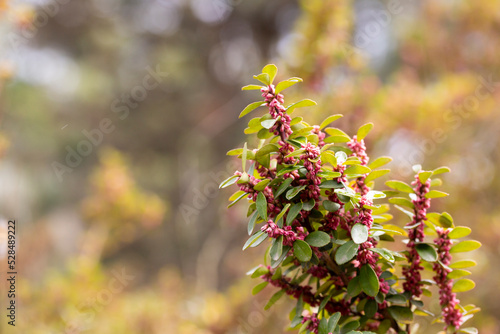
(313, 166)
(447, 299)
(411, 272)
(277, 111)
(358, 149)
(289, 236)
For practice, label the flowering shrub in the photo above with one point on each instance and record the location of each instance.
(311, 191)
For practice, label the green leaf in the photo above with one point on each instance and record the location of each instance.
(384, 253)
(294, 192)
(341, 157)
(318, 239)
(359, 233)
(363, 131)
(331, 206)
(465, 246)
(323, 326)
(294, 211)
(457, 273)
(463, 285)
(302, 250)
(287, 169)
(264, 78)
(260, 271)
(379, 162)
(262, 205)
(244, 157)
(255, 239)
(309, 205)
(349, 327)
(463, 264)
(229, 181)
(330, 119)
(268, 123)
(283, 187)
(241, 196)
(296, 120)
(259, 287)
(440, 170)
(282, 213)
(469, 330)
(376, 174)
(286, 83)
(252, 87)
(435, 194)
(375, 194)
(346, 252)
(236, 151)
(276, 248)
(397, 299)
(264, 134)
(303, 328)
(334, 132)
(353, 287)
(384, 326)
(331, 184)
(274, 299)
(445, 219)
(399, 186)
(423, 176)
(267, 149)
(401, 314)
(261, 185)
(251, 223)
(270, 70)
(284, 254)
(333, 321)
(459, 232)
(426, 252)
(369, 280)
(371, 308)
(357, 169)
(300, 104)
(252, 106)
(402, 201)
(295, 153)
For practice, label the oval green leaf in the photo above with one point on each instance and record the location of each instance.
(465, 246)
(426, 252)
(459, 232)
(369, 280)
(346, 252)
(262, 205)
(251, 107)
(463, 285)
(399, 186)
(318, 239)
(302, 250)
(363, 131)
(359, 233)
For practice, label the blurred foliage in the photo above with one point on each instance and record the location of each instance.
(64, 77)
(116, 202)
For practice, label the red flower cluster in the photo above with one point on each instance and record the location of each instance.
(289, 236)
(447, 299)
(277, 111)
(413, 282)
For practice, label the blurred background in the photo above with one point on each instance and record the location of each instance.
(116, 116)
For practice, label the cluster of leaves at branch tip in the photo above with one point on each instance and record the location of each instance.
(311, 193)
